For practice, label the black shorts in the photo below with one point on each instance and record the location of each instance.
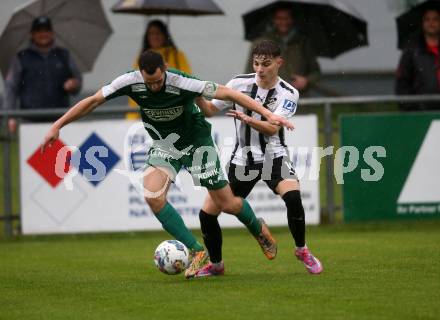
(242, 179)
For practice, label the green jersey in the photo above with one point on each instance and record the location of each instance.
(171, 110)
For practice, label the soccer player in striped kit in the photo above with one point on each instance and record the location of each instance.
(259, 154)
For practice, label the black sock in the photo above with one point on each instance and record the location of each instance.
(212, 236)
(295, 217)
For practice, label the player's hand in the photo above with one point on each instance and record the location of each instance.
(299, 82)
(71, 85)
(50, 137)
(12, 126)
(238, 115)
(279, 121)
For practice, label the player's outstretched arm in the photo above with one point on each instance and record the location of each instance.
(225, 93)
(207, 107)
(261, 126)
(79, 110)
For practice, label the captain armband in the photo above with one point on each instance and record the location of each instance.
(210, 90)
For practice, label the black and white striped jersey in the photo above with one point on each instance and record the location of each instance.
(252, 146)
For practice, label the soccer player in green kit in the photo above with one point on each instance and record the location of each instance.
(182, 138)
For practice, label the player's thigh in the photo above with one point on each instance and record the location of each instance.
(240, 187)
(285, 186)
(210, 207)
(225, 200)
(283, 177)
(161, 170)
(156, 182)
(161, 158)
(205, 168)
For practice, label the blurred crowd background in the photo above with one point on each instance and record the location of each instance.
(217, 50)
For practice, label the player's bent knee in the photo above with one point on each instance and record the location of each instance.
(155, 204)
(233, 207)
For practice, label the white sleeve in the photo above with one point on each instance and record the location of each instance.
(223, 104)
(122, 84)
(109, 89)
(287, 105)
(207, 89)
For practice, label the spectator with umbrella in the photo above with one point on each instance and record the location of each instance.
(300, 67)
(305, 29)
(66, 38)
(158, 38)
(419, 66)
(42, 75)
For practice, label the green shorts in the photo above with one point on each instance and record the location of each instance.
(201, 161)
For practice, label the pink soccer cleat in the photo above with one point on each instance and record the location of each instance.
(210, 270)
(312, 264)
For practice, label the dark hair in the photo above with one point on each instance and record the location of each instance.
(430, 7)
(149, 61)
(267, 48)
(283, 7)
(163, 29)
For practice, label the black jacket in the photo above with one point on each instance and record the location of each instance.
(417, 74)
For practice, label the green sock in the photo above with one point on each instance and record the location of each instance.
(248, 218)
(173, 223)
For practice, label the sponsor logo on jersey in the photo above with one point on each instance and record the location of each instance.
(138, 87)
(172, 90)
(271, 103)
(289, 105)
(163, 115)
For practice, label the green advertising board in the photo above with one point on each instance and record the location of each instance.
(401, 179)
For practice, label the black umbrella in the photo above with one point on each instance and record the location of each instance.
(410, 22)
(168, 7)
(332, 26)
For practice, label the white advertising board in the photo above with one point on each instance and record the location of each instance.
(99, 190)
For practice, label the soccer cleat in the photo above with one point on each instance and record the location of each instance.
(312, 264)
(266, 241)
(198, 261)
(210, 270)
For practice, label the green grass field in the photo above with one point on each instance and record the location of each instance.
(372, 271)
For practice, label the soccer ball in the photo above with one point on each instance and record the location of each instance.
(171, 257)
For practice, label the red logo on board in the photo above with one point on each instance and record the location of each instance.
(44, 163)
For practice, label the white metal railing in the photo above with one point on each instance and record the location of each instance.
(327, 103)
